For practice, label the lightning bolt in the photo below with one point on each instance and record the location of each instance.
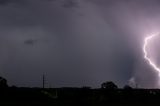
(146, 42)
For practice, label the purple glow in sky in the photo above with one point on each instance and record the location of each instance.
(151, 62)
(78, 42)
(146, 42)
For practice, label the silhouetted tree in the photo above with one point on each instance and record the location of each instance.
(86, 87)
(3, 83)
(109, 85)
(127, 87)
(13, 86)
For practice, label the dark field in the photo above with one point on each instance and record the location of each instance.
(78, 97)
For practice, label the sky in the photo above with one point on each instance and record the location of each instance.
(77, 43)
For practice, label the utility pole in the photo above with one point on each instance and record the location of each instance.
(43, 81)
(136, 86)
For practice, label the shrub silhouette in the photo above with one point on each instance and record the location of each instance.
(109, 85)
(3, 83)
(127, 87)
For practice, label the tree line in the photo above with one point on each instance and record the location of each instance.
(104, 85)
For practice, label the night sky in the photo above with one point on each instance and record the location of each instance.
(77, 42)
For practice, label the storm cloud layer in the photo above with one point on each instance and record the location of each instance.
(76, 42)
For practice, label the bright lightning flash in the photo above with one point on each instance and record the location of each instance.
(146, 41)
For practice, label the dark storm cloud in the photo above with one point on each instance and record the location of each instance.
(29, 41)
(76, 42)
(6, 2)
(70, 4)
